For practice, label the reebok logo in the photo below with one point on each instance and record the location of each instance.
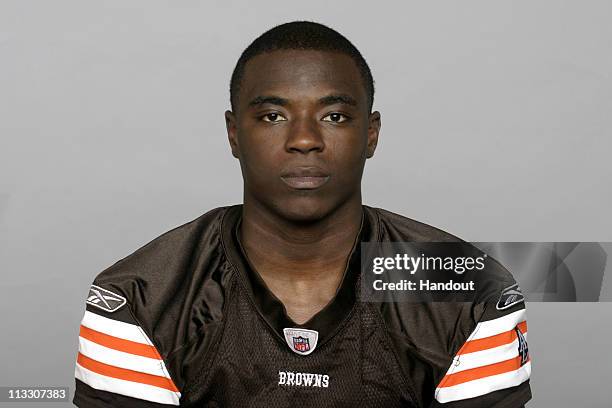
(105, 299)
(510, 297)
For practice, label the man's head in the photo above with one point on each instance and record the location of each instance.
(301, 35)
(301, 124)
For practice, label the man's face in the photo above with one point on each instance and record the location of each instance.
(302, 132)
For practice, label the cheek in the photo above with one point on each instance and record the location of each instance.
(259, 157)
(349, 155)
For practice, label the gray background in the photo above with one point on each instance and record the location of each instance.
(496, 127)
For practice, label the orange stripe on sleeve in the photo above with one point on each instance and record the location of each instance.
(492, 341)
(480, 372)
(119, 344)
(125, 374)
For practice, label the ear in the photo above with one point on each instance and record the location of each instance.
(373, 131)
(230, 125)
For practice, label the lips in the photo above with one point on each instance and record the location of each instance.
(305, 178)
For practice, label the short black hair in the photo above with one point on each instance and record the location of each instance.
(301, 35)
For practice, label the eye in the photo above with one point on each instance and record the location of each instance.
(273, 117)
(335, 117)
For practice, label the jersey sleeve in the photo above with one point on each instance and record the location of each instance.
(493, 366)
(117, 364)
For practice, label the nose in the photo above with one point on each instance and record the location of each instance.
(304, 137)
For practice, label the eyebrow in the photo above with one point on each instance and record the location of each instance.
(274, 100)
(326, 100)
(340, 98)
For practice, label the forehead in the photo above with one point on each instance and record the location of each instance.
(301, 74)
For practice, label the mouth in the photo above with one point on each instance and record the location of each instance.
(305, 178)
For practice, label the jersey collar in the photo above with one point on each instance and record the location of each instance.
(328, 320)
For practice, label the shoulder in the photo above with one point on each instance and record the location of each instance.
(398, 228)
(163, 280)
(399, 233)
(149, 313)
(428, 336)
(151, 260)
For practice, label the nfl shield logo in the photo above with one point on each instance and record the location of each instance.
(301, 341)
(301, 344)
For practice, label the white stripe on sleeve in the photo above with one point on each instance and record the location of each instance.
(502, 324)
(121, 359)
(115, 328)
(129, 388)
(482, 386)
(485, 357)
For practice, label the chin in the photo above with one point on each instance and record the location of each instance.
(304, 209)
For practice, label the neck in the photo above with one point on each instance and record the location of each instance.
(274, 241)
(301, 263)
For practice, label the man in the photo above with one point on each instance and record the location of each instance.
(256, 305)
